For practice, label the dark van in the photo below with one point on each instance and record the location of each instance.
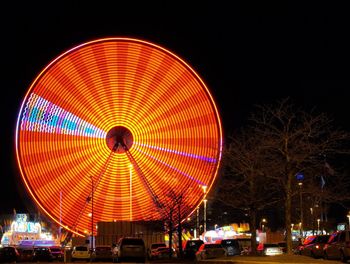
(130, 248)
(190, 247)
(231, 246)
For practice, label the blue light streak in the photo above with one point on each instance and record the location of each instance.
(40, 115)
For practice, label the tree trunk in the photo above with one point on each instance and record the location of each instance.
(179, 231)
(287, 215)
(253, 214)
(170, 234)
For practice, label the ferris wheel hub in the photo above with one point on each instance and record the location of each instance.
(119, 139)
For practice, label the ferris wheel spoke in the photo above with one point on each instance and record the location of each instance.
(172, 168)
(144, 181)
(201, 122)
(190, 102)
(176, 152)
(94, 187)
(40, 115)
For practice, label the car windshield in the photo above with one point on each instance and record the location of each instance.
(103, 248)
(194, 243)
(212, 246)
(270, 245)
(132, 241)
(322, 239)
(229, 242)
(81, 249)
(27, 251)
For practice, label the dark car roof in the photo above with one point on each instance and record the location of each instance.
(211, 246)
(132, 241)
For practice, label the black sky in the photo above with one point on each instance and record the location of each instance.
(247, 53)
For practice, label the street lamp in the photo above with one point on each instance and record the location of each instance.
(205, 215)
(197, 223)
(204, 187)
(318, 225)
(300, 178)
(262, 224)
(349, 219)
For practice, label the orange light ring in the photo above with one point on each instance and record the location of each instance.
(117, 82)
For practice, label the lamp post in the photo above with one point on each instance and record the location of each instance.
(197, 224)
(300, 178)
(318, 225)
(205, 215)
(349, 219)
(301, 208)
(92, 218)
(204, 187)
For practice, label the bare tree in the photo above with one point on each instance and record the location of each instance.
(245, 184)
(175, 209)
(296, 142)
(280, 156)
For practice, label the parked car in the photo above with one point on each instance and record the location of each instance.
(102, 253)
(160, 253)
(80, 253)
(130, 248)
(25, 254)
(9, 254)
(57, 253)
(190, 247)
(338, 246)
(42, 254)
(313, 246)
(152, 250)
(209, 251)
(231, 246)
(270, 249)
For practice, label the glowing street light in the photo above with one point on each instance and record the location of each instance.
(349, 218)
(262, 223)
(318, 225)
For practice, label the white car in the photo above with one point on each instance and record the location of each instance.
(80, 253)
(272, 250)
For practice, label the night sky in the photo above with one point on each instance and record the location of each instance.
(248, 53)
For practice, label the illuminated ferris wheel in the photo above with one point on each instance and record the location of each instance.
(122, 122)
